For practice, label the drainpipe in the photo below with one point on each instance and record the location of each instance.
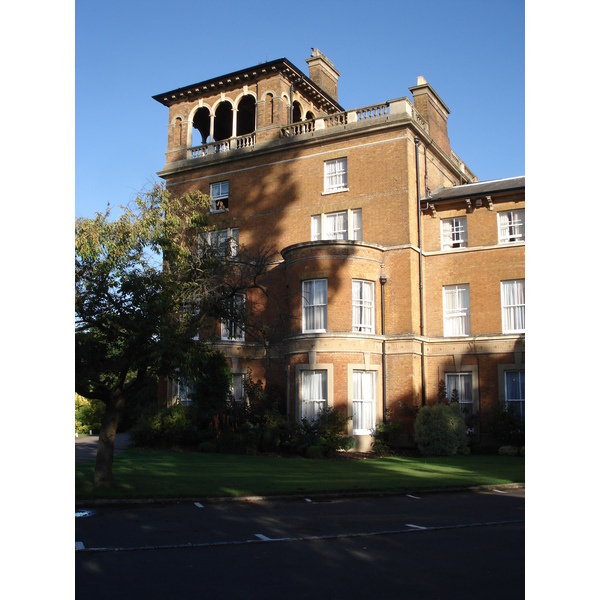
(383, 281)
(417, 142)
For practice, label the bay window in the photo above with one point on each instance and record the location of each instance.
(363, 402)
(314, 305)
(363, 306)
(314, 393)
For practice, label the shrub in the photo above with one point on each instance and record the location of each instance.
(508, 451)
(507, 426)
(88, 414)
(165, 428)
(440, 430)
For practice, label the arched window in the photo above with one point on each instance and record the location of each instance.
(223, 122)
(246, 119)
(201, 124)
(297, 112)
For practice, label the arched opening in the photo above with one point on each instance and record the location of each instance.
(223, 122)
(246, 117)
(296, 112)
(309, 115)
(201, 127)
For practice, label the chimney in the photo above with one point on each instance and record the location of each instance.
(321, 72)
(434, 111)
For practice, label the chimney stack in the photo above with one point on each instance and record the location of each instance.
(321, 72)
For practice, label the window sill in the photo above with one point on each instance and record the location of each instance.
(221, 210)
(329, 192)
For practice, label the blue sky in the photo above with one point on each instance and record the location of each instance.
(471, 52)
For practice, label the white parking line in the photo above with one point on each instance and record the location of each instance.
(198, 505)
(79, 546)
(411, 496)
(415, 526)
(262, 537)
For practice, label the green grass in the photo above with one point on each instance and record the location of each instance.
(162, 474)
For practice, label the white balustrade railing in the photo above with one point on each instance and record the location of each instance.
(244, 141)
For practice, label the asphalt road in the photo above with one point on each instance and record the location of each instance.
(86, 446)
(460, 545)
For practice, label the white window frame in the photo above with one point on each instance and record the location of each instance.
(239, 334)
(311, 305)
(512, 293)
(466, 393)
(237, 392)
(225, 241)
(335, 175)
(219, 196)
(363, 306)
(520, 401)
(364, 401)
(184, 391)
(313, 392)
(457, 310)
(511, 226)
(454, 233)
(321, 225)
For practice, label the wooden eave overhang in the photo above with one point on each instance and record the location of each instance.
(479, 189)
(252, 74)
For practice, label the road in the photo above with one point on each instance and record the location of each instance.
(443, 546)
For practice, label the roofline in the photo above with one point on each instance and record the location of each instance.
(166, 98)
(504, 185)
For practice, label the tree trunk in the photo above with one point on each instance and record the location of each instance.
(103, 475)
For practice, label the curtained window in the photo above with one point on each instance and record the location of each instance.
(457, 314)
(461, 385)
(314, 393)
(454, 233)
(363, 402)
(511, 226)
(514, 390)
(336, 175)
(513, 306)
(363, 307)
(314, 305)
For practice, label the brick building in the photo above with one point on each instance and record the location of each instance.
(378, 296)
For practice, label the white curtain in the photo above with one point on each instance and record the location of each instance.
(514, 387)
(335, 174)
(336, 226)
(362, 306)
(315, 228)
(513, 305)
(356, 216)
(457, 319)
(512, 226)
(314, 300)
(463, 384)
(314, 393)
(363, 400)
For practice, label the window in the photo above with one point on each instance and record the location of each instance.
(225, 241)
(219, 194)
(459, 386)
(514, 388)
(363, 402)
(513, 306)
(314, 305)
(236, 391)
(454, 233)
(184, 390)
(336, 175)
(457, 314)
(232, 328)
(314, 393)
(334, 226)
(511, 226)
(363, 305)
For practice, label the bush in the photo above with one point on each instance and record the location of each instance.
(88, 414)
(166, 428)
(507, 426)
(440, 430)
(508, 451)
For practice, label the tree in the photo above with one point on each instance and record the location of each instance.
(145, 284)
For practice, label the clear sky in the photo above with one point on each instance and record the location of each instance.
(472, 52)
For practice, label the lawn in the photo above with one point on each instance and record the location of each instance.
(162, 474)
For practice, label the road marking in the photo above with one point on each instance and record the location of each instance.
(415, 497)
(414, 530)
(501, 491)
(308, 499)
(79, 546)
(84, 512)
(198, 505)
